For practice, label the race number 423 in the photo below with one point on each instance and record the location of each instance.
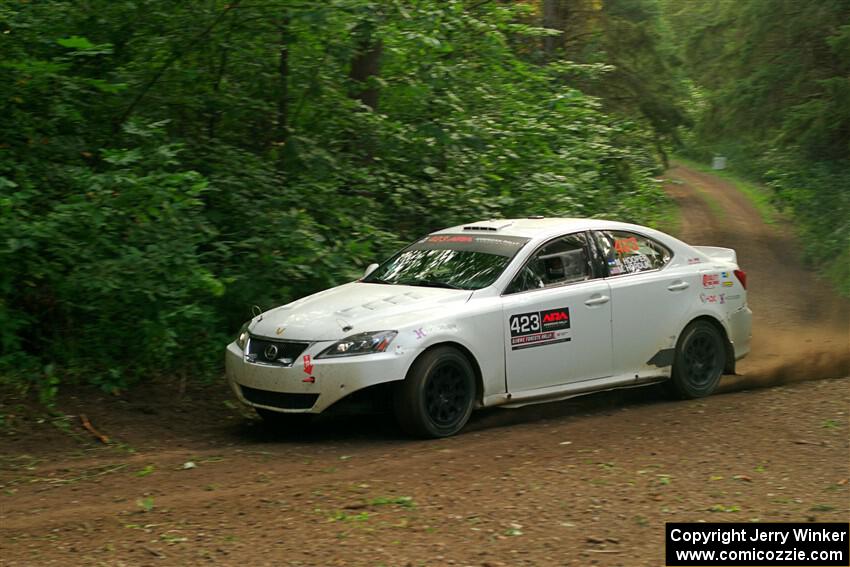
(540, 321)
(525, 323)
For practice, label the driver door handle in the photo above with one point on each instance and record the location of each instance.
(678, 286)
(599, 300)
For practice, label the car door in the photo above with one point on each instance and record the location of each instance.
(649, 301)
(557, 317)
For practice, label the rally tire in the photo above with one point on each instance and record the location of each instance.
(699, 361)
(437, 396)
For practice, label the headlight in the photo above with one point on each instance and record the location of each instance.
(361, 343)
(242, 337)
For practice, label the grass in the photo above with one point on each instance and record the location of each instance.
(757, 195)
(403, 501)
(83, 476)
(341, 516)
(724, 509)
(822, 508)
(145, 471)
(146, 504)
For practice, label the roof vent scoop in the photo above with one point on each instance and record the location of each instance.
(489, 226)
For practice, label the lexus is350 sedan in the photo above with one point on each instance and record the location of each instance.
(502, 313)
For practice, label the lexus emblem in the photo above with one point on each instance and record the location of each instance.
(270, 352)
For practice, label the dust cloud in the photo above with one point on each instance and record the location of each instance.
(781, 357)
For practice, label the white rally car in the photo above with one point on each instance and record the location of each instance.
(502, 312)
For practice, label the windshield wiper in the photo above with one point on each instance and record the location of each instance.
(432, 283)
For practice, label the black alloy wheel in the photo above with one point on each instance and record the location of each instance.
(446, 394)
(699, 361)
(436, 398)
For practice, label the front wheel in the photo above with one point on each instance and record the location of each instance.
(699, 361)
(436, 398)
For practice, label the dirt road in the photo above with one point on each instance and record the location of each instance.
(590, 481)
(801, 329)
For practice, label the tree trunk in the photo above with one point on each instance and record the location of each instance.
(366, 64)
(282, 124)
(213, 104)
(550, 20)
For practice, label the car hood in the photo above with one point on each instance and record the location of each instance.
(353, 308)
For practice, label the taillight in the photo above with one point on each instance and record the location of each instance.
(742, 277)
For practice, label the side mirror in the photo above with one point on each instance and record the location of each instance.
(369, 269)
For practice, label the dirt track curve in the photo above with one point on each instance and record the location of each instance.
(189, 480)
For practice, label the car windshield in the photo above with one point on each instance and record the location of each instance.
(455, 261)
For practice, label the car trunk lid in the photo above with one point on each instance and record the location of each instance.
(718, 253)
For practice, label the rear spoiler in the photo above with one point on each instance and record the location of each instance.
(717, 253)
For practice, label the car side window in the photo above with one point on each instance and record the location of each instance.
(629, 253)
(560, 261)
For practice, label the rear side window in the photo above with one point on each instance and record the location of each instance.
(630, 253)
(561, 261)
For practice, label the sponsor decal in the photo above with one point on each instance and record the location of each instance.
(710, 280)
(637, 263)
(728, 284)
(308, 364)
(539, 339)
(724, 275)
(556, 319)
(420, 333)
(505, 246)
(279, 331)
(720, 298)
(615, 267)
(309, 380)
(499, 241)
(694, 261)
(540, 328)
(626, 245)
(450, 238)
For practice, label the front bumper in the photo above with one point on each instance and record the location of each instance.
(290, 390)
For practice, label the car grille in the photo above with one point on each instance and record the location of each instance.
(278, 353)
(281, 400)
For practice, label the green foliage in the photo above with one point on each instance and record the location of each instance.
(642, 77)
(165, 166)
(817, 194)
(772, 93)
(775, 72)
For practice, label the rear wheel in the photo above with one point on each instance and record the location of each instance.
(699, 361)
(436, 398)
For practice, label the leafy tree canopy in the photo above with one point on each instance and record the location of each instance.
(163, 166)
